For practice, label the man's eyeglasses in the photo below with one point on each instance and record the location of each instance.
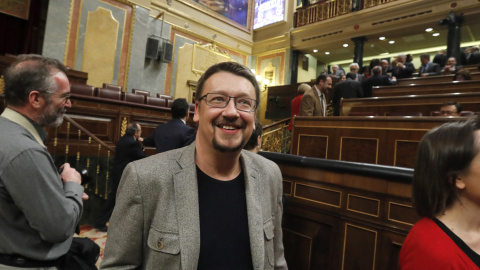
(221, 101)
(65, 96)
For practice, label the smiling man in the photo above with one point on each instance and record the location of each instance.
(210, 205)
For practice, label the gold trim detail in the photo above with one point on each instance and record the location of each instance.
(345, 243)
(320, 202)
(291, 187)
(394, 220)
(271, 52)
(395, 150)
(123, 127)
(309, 135)
(129, 51)
(69, 26)
(2, 85)
(367, 198)
(358, 138)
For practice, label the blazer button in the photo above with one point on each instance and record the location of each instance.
(160, 245)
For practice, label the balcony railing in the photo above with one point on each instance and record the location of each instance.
(329, 9)
(72, 143)
(276, 137)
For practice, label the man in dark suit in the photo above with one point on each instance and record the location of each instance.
(358, 77)
(127, 149)
(428, 68)
(174, 134)
(346, 89)
(376, 80)
(403, 69)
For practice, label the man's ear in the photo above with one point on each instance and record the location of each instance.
(35, 99)
(196, 116)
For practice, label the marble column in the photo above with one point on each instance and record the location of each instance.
(358, 51)
(454, 23)
(294, 66)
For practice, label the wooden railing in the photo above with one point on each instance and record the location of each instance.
(72, 143)
(330, 9)
(343, 215)
(276, 137)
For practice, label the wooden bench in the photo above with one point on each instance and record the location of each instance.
(422, 89)
(425, 104)
(381, 140)
(433, 79)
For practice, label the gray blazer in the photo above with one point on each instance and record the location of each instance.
(155, 224)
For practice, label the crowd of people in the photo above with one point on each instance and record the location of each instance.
(358, 83)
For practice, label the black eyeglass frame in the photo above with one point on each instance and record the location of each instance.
(228, 101)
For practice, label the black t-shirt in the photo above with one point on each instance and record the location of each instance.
(224, 238)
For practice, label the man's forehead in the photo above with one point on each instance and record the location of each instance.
(221, 82)
(448, 107)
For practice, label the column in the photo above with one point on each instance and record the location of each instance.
(294, 66)
(454, 23)
(358, 51)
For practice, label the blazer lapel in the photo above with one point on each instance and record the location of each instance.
(186, 203)
(254, 211)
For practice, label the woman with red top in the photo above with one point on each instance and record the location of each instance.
(446, 194)
(297, 101)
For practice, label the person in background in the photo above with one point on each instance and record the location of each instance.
(358, 76)
(439, 58)
(254, 144)
(39, 208)
(297, 102)
(403, 69)
(313, 100)
(347, 89)
(451, 66)
(174, 134)
(343, 78)
(378, 79)
(428, 68)
(127, 149)
(462, 75)
(450, 109)
(337, 72)
(445, 193)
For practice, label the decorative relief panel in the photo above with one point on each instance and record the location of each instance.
(100, 46)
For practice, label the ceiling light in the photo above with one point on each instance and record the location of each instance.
(327, 52)
(381, 38)
(385, 53)
(391, 41)
(429, 30)
(345, 45)
(436, 34)
(315, 50)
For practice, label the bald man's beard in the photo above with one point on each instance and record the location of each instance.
(52, 117)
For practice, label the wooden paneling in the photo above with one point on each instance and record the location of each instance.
(344, 215)
(354, 255)
(380, 140)
(425, 104)
(426, 88)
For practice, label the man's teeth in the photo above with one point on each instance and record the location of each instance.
(228, 127)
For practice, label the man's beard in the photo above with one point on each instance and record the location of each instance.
(226, 149)
(52, 117)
